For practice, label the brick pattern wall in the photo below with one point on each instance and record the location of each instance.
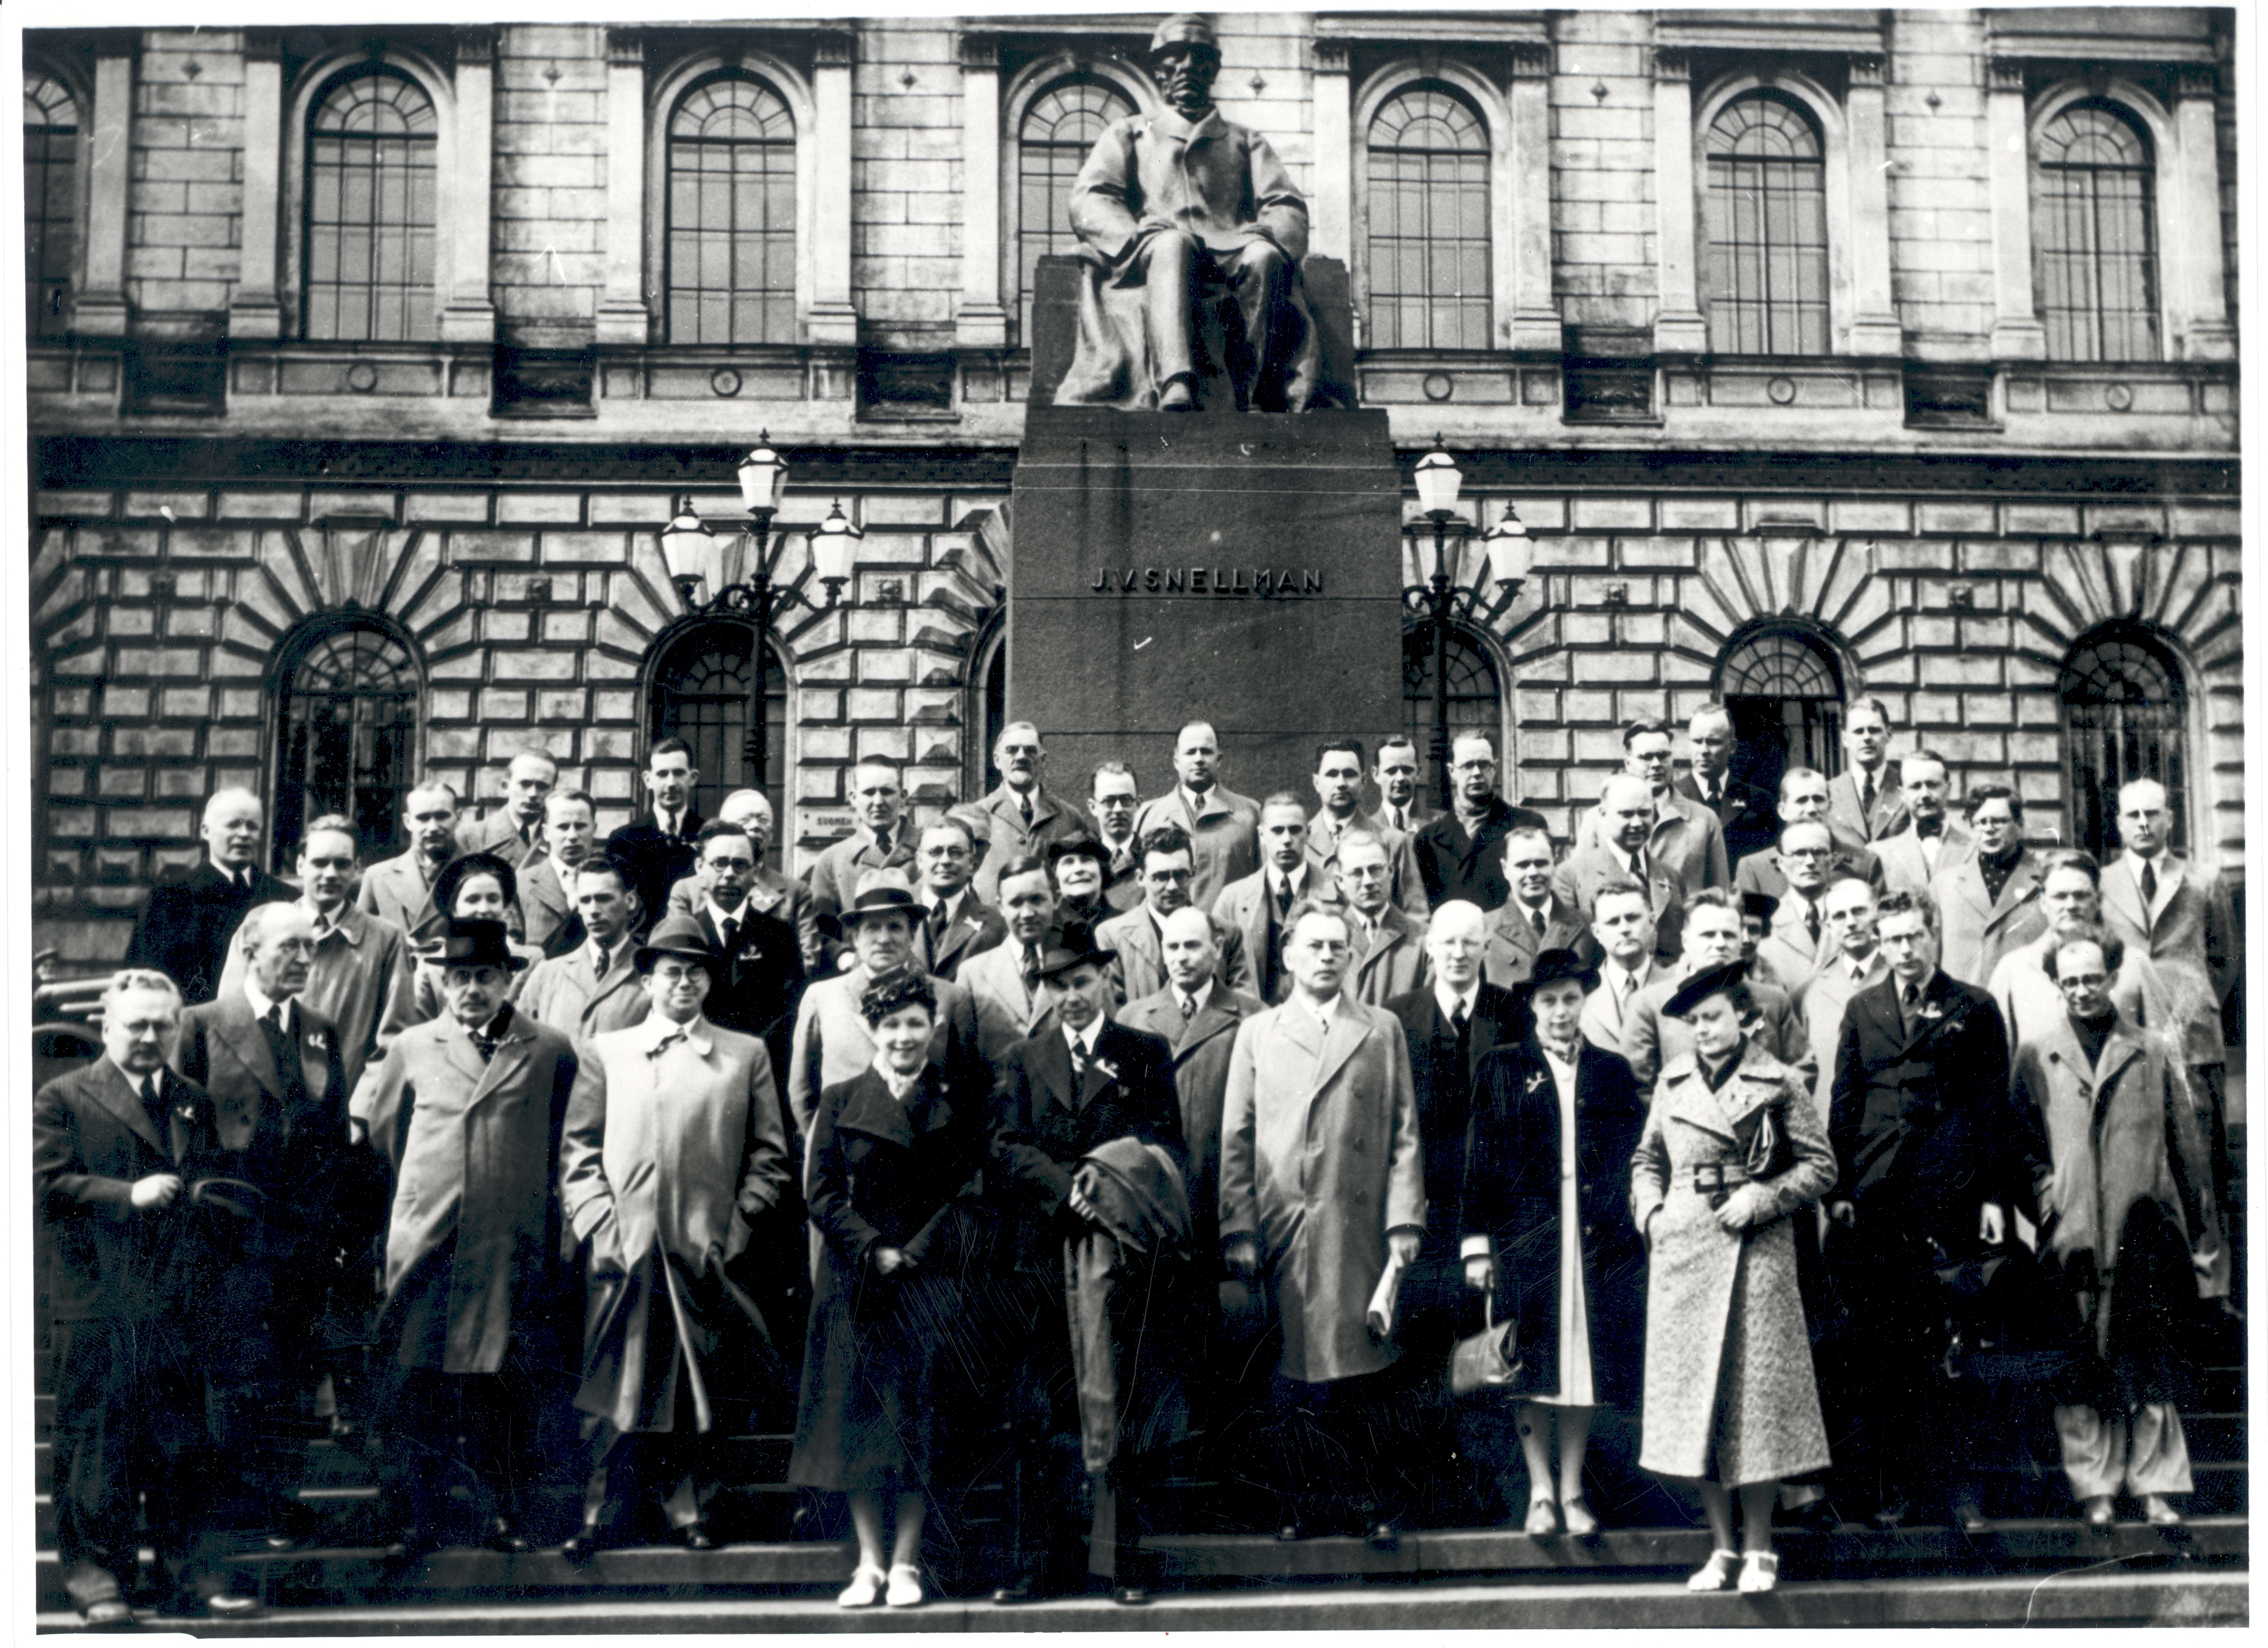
(549, 180)
(185, 192)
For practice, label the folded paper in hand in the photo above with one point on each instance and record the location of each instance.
(1381, 1314)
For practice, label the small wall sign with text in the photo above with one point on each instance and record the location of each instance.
(1208, 581)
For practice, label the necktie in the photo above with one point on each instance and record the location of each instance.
(273, 1018)
(1811, 921)
(1913, 1005)
(1401, 819)
(882, 842)
(150, 1091)
(1025, 806)
(1188, 1008)
(1535, 920)
(605, 960)
(1462, 1022)
(1283, 898)
(2149, 883)
(1866, 803)
(483, 1043)
(243, 879)
(732, 933)
(1031, 967)
(1078, 1062)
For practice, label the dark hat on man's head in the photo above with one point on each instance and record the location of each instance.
(475, 941)
(678, 935)
(1078, 947)
(883, 892)
(1553, 966)
(1710, 981)
(1185, 28)
(1763, 906)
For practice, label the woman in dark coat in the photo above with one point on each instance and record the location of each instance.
(891, 1152)
(1547, 1224)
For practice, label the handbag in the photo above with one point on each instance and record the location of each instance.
(1771, 1152)
(1488, 1358)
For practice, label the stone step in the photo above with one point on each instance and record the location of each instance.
(2187, 1594)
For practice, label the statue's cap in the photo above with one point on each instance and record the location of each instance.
(1184, 28)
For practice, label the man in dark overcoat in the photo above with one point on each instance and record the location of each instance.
(184, 929)
(111, 1146)
(477, 1335)
(1058, 1098)
(1932, 1159)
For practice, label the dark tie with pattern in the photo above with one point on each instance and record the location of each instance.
(606, 960)
(2149, 884)
(1077, 1065)
(1811, 922)
(1031, 969)
(1024, 806)
(483, 1043)
(1188, 1008)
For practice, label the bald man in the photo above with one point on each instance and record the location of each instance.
(185, 927)
(1624, 827)
(1223, 827)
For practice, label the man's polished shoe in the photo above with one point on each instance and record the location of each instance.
(2158, 1513)
(586, 1542)
(500, 1536)
(228, 1604)
(1015, 1591)
(2101, 1515)
(1130, 1596)
(110, 1614)
(695, 1537)
(1179, 396)
(1382, 1536)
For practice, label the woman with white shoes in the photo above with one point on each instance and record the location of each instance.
(1733, 1146)
(891, 1151)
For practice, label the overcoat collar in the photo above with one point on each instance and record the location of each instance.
(1759, 1080)
(1219, 1014)
(870, 1109)
(510, 1054)
(2121, 1048)
(1168, 122)
(1002, 802)
(1329, 1051)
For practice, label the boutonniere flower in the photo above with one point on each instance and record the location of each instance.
(187, 1110)
(1535, 1080)
(1106, 1067)
(1932, 1011)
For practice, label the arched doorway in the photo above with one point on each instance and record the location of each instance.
(346, 723)
(2125, 717)
(1783, 690)
(701, 694)
(1476, 696)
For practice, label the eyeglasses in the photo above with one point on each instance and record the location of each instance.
(2071, 983)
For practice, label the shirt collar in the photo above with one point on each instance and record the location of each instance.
(655, 1029)
(718, 916)
(1637, 976)
(951, 908)
(1084, 1039)
(1197, 998)
(1296, 878)
(591, 949)
(325, 925)
(2159, 866)
(1451, 1000)
(1322, 1010)
(261, 1002)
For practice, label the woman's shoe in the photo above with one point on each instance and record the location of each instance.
(1542, 1517)
(1759, 1571)
(1716, 1573)
(2100, 1513)
(1581, 1522)
(864, 1589)
(2157, 1511)
(905, 1586)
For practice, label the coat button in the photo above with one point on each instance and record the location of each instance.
(1590, 1230)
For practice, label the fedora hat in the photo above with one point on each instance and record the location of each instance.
(678, 935)
(1763, 906)
(883, 892)
(1554, 966)
(474, 941)
(1077, 946)
(1709, 981)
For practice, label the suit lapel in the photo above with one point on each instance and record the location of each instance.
(245, 1037)
(2120, 893)
(1052, 1065)
(1207, 1022)
(1345, 1036)
(509, 1057)
(115, 1091)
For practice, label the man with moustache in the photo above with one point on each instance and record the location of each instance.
(1112, 803)
(1253, 908)
(1930, 841)
(401, 888)
(1137, 966)
(1025, 814)
(1222, 826)
(1338, 788)
(1535, 918)
(185, 927)
(514, 831)
(1004, 981)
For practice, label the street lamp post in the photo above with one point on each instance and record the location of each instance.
(696, 562)
(1441, 600)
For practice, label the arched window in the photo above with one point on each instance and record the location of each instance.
(988, 706)
(371, 192)
(1785, 695)
(346, 719)
(1058, 129)
(2092, 220)
(1428, 223)
(2124, 712)
(1476, 699)
(1765, 216)
(51, 123)
(701, 694)
(729, 273)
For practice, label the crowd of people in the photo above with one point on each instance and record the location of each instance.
(1380, 1150)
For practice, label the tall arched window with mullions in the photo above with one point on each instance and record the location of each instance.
(1476, 697)
(51, 151)
(701, 694)
(730, 236)
(1427, 246)
(2092, 222)
(1784, 691)
(1058, 131)
(370, 199)
(346, 721)
(2125, 714)
(1765, 216)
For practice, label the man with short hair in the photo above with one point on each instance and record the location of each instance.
(593, 988)
(570, 833)
(1024, 813)
(1930, 842)
(1390, 956)
(1112, 802)
(1138, 965)
(1799, 942)
(513, 830)
(781, 897)
(1989, 903)
(1322, 1182)
(1933, 1158)
(1622, 920)
(880, 841)
(960, 925)
(2031, 1003)
(1004, 981)
(1803, 800)
(112, 1144)
(1744, 811)
(757, 975)
(185, 927)
(363, 977)
(1460, 852)
(1855, 963)
(1223, 827)
(1868, 800)
(1338, 788)
(1400, 807)
(1535, 918)
(401, 888)
(657, 847)
(1689, 838)
(1653, 1038)
(1625, 825)
(1255, 905)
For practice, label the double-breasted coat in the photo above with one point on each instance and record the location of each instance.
(1511, 1201)
(1978, 929)
(673, 1147)
(1390, 960)
(1513, 943)
(1444, 1084)
(1201, 1044)
(567, 993)
(1321, 1158)
(883, 1173)
(476, 1260)
(2190, 929)
(1730, 1396)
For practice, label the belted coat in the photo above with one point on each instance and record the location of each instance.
(1729, 1390)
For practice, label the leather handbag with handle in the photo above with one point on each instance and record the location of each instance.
(1488, 1359)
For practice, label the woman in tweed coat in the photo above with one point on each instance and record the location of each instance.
(1732, 1146)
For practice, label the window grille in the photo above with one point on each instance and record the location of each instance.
(1428, 246)
(1767, 219)
(370, 212)
(730, 236)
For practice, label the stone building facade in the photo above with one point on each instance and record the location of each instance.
(1823, 354)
